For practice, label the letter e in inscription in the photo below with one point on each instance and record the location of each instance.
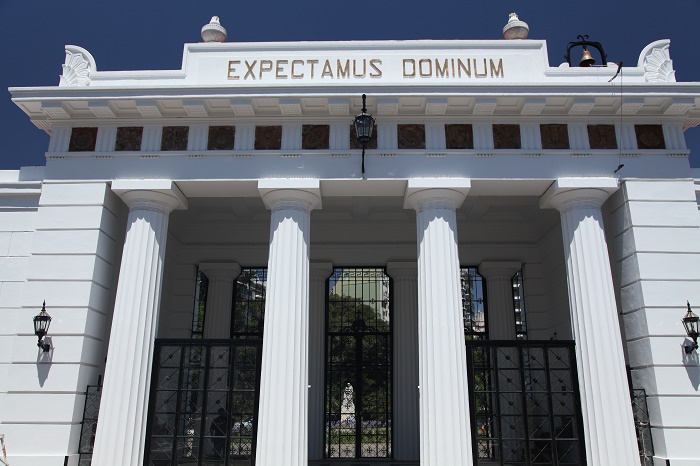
(232, 69)
(279, 70)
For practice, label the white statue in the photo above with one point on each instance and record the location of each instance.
(347, 407)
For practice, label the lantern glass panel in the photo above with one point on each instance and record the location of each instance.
(363, 127)
(690, 322)
(41, 324)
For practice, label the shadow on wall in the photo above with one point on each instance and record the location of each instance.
(690, 361)
(43, 362)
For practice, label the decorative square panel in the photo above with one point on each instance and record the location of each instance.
(411, 136)
(82, 140)
(129, 138)
(555, 136)
(650, 137)
(101, 109)
(315, 137)
(355, 144)
(268, 137)
(459, 137)
(174, 138)
(602, 137)
(221, 137)
(506, 136)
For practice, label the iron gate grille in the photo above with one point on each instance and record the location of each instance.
(358, 366)
(642, 426)
(93, 395)
(525, 403)
(203, 404)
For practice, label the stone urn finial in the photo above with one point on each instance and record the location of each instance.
(515, 29)
(214, 31)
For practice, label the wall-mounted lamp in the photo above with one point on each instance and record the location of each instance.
(364, 124)
(690, 322)
(586, 57)
(41, 327)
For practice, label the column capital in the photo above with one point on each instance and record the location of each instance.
(441, 193)
(294, 194)
(402, 269)
(320, 270)
(224, 270)
(158, 194)
(499, 269)
(568, 193)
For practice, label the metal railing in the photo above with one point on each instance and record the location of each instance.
(525, 405)
(91, 411)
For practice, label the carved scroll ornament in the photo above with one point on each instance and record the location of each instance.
(77, 67)
(656, 61)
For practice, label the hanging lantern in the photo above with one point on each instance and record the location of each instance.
(42, 321)
(691, 323)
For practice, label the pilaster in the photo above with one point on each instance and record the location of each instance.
(445, 436)
(283, 418)
(121, 430)
(499, 282)
(605, 401)
(217, 320)
(319, 272)
(406, 431)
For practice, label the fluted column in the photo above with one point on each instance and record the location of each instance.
(406, 430)
(605, 400)
(445, 435)
(217, 319)
(317, 360)
(499, 282)
(121, 429)
(283, 412)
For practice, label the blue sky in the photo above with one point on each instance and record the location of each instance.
(149, 34)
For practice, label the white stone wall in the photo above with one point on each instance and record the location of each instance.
(552, 298)
(654, 242)
(72, 245)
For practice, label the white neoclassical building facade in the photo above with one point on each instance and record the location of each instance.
(497, 278)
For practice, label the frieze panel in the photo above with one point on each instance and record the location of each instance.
(411, 136)
(554, 136)
(82, 140)
(315, 137)
(355, 144)
(221, 137)
(459, 137)
(506, 137)
(268, 137)
(602, 137)
(649, 137)
(129, 138)
(174, 138)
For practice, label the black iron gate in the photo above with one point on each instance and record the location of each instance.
(525, 404)
(358, 364)
(93, 396)
(204, 403)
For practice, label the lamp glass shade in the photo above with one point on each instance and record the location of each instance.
(41, 323)
(363, 127)
(691, 322)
